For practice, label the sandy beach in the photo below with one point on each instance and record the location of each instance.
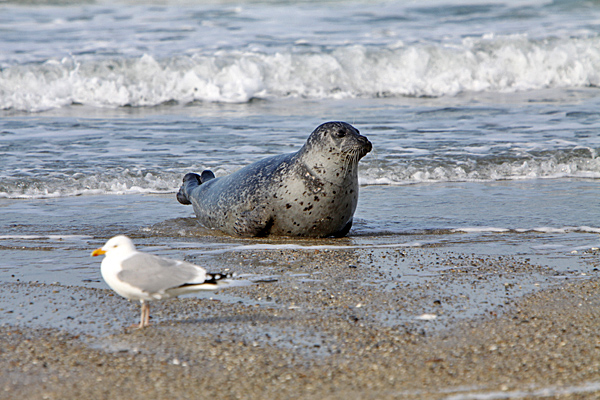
(332, 326)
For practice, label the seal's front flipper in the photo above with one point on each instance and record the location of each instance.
(253, 223)
(344, 231)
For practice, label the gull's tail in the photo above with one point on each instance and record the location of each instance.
(211, 281)
(215, 279)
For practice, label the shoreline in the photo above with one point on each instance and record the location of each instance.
(332, 326)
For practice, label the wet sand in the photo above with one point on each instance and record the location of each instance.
(337, 324)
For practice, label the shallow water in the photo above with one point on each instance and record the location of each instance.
(67, 152)
(50, 240)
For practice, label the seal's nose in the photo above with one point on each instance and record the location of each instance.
(366, 143)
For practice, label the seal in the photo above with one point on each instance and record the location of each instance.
(312, 192)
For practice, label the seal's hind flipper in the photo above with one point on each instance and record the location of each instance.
(206, 176)
(190, 181)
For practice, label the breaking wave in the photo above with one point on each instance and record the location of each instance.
(485, 64)
(157, 181)
(560, 164)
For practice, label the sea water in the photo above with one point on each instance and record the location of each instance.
(484, 117)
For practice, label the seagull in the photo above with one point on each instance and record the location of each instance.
(146, 277)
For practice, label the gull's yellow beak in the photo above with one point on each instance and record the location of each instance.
(98, 252)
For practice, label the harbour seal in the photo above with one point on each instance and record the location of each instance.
(312, 192)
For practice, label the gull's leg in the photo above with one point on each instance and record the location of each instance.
(141, 325)
(145, 314)
(147, 318)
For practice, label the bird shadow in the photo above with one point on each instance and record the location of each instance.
(233, 319)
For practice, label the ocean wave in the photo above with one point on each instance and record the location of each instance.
(555, 167)
(77, 184)
(142, 181)
(484, 64)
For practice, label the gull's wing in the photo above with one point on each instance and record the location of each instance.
(153, 274)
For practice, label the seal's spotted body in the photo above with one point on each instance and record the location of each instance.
(312, 192)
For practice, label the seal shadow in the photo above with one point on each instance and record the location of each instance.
(189, 227)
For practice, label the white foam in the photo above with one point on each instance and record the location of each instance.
(46, 194)
(112, 183)
(141, 182)
(568, 229)
(491, 64)
(529, 393)
(48, 237)
(481, 230)
(542, 229)
(548, 168)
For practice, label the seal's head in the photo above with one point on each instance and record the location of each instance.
(339, 140)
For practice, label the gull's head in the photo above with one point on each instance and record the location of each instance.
(118, 245)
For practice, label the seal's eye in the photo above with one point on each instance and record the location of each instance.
(340, 133)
